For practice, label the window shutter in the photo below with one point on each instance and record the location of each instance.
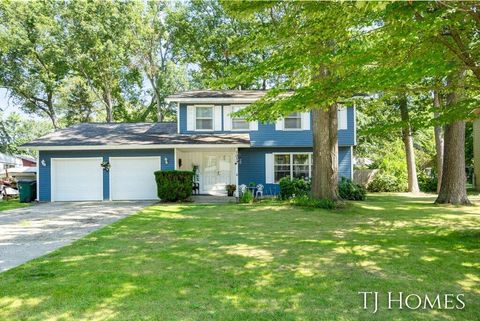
(342, 118)
(279, 124)
(306, 120)
(190, 118)
(269, 169)
(227, 120)
(217, 116)
(253, 125)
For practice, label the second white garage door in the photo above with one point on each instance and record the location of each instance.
(132, 178)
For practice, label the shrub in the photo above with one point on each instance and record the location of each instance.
(349, 190)
(383, 182)
(427, 183)
(306, 201)
(173, 186)
(246, 197)
(293, 187)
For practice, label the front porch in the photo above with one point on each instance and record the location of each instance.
(214, 167)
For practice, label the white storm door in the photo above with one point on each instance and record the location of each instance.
(132, 178)
(217, 172)
(77, 179)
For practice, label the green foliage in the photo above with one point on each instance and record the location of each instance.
(173, 186)
(293, 187)
(349, 190)
(384, 182)
(246, 197)
(427, 183)
(307, 201)
(16, 130)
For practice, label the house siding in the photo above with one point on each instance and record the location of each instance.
(252, 165)
(267, 136)
(45, 171)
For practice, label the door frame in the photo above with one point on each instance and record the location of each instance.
(218, 154)
(127, 157)
(53, 176)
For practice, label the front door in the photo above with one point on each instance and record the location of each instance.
(218, 171)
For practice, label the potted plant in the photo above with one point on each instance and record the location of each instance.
(231, 188)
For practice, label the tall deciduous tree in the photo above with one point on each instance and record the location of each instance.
(101, 37)
(34, 65)
(306, 41)
(407, 137)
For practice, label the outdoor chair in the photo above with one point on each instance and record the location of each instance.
(242, 189)
(259, 191)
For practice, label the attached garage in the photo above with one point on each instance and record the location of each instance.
(132, 178)
(77, 179)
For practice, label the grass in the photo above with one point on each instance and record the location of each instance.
(11, 204)
(256, 262)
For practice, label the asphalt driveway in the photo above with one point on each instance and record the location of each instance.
(27, 233)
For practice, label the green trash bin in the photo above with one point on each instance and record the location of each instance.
(27, 190)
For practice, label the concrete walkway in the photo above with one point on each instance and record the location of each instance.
(30, 232)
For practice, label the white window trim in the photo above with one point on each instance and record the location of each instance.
(230, 119)
(294, 129)
(310, 163)
(195, 119)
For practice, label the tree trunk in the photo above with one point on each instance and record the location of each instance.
(476, 152)
(407, 138)
(325, 154)
(437, 104)
(453, 188)
(107, 99)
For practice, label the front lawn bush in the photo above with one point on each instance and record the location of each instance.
(293, 187)
(383, 182)
(349, 190)
(427, 183)
(246, 197)
(307, 201)
(173, 186)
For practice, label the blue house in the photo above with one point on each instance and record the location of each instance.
(99, 161)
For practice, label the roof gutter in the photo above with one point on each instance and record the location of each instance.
(131, 146)
(211, 100)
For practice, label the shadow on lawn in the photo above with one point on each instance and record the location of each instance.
(236, 262)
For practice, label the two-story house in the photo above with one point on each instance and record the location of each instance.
(116, 161)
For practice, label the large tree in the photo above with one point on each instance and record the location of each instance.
(100, 43)
(306, 42)
(34, 65)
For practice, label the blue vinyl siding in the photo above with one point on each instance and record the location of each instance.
(267, 136)
(252, 165)
(45, 171)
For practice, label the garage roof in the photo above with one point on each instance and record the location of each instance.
(130, 136)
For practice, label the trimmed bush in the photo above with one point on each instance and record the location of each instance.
(349, 190)
(386, 183)
(306, 201)
(293, 187)
(173, 186)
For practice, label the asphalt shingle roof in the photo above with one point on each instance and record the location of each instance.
(98, 134)
(253, 94)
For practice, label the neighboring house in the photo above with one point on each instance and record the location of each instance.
(27, 161)
(224, 149)
(9, 161)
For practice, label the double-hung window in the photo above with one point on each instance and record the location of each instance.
(239, 123)
(296, 165)
(204, 118)
(293, 121)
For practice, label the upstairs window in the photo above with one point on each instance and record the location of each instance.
(239, 123)
(293, 121)
(204, 118)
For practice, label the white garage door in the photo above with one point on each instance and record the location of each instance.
(77, 179)
(132, 178)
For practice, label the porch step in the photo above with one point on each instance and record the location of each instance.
(211, 199)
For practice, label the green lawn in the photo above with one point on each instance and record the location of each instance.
(256, 262)
(11, 204)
